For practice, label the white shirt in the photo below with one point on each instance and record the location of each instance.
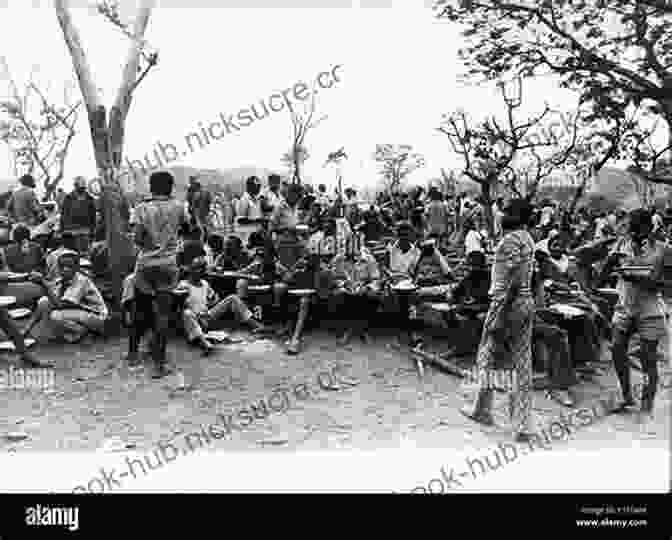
(199, 295)
(546, 215)
(657, 221)
(403, 263)
(562, 263)
(497, 216)
(273, 199)
(323, 199)
(249, 207)
(318, 243)
(473, 242)
(600, 223)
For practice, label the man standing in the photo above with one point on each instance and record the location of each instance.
(157, 223)
(323, 197)
(271, 195)
(350, 206)
(639, 310)
(249, 214)
(497, 215)
(23, 206)
(78, 215)
(193, 187)
(200, 202)
(547, 213)
(657, 220)
(283, 224)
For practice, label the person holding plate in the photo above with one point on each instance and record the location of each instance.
(73, 305)
(358, 294)
(640, 309)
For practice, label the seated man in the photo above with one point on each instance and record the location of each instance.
(202, 307)
(323, 241)
(471, 298)
(432, 272)
(402, 258)
(44, 233)
(587, 330)
(475, 285)
(268, 269)
(233, 257)
(68, 244)
(551, 349)
(403, 254)
(315, 216)
(372, 225)
(474, 240)
(358, 295)
(73, 305)
(192, 248)
(309, 273)
(24, 257)
(216, 243)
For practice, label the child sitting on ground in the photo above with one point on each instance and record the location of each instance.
(202, 307)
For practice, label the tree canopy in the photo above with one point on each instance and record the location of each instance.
(617, 54)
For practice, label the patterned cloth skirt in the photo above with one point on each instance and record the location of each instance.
(507, 365)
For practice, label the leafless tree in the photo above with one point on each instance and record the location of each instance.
(38, 129)
(396, 162)
(302, 123)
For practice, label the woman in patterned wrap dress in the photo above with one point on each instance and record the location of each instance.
(504, 357)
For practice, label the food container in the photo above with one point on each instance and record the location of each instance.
(405, 287)
(637, 271)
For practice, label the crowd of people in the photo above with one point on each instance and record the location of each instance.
(531, 288)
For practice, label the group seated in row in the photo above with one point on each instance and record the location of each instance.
(343, 280)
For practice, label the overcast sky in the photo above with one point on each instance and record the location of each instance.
(399, 70)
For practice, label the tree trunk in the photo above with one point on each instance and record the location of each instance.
(487, 203)
(108, 138)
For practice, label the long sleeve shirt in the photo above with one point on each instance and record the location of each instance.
(511, 276)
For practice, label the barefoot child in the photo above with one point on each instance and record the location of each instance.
(202, 308)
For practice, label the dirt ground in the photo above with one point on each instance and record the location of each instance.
(97, 403)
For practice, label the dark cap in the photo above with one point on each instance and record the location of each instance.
(27, 180)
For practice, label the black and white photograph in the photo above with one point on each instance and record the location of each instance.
(336, 246)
